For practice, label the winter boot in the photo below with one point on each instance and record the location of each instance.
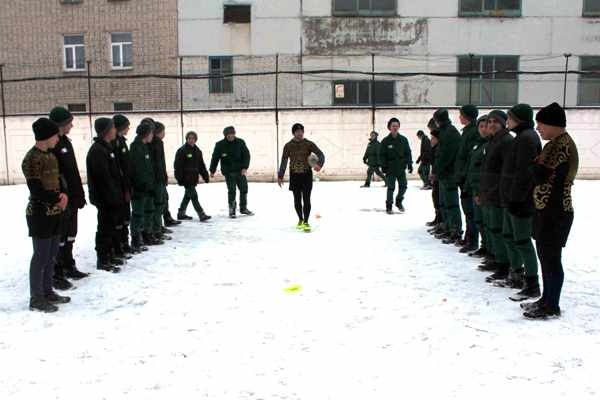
(513, 281)
(55, 298)
(531, 289)
(73, 273)
(127, 248)
(114, 259)
(61, 283)
(542, 312)
(399, 205)
(103, 263)
(41, 304)
(481, 252)
(452, 238)
(532, 305)
(203, 216)
(165, 230)
(169, 221)
(245, 211)
(365, 186)
(501, 272)
(181, 216)
(232, 207)
(149, 239)
(137, 245)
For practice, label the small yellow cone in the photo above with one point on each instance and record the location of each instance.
(293, 289)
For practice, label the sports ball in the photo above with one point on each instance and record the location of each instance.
(312, 160)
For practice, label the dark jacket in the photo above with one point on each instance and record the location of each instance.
(395, 155)
(189, 166)
(425, 156)
(123, 159)
(554, 174)
(371, 157)
(297, 152)
(476, 158)
(470, 136)
(496, 154)
(43, 214)
(69, 172)
(449, 142)
(157, 154)
(234, 156)
(142, 176)
(105, 183)
(518, 174)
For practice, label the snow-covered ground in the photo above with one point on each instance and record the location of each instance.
(384, 311)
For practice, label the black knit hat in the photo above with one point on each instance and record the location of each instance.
(121, 122)
(144, 129)
(498, 115)
(521, 113)
(441, 116)
(469, 111)
(553, 115)
(481, 119)
(420, 133)
(228, 130)
(44, 129)
(102, 126)
(61, 116)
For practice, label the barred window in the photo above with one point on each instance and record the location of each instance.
(490, 8)
(495, 89)
(364, 7)
(589, 85)
(122, 106)
(358, 93)
(591, 8)
(219, 66)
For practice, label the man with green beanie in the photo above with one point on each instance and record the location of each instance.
(497, 153)
(142, 182)
(371, 159)
(469, 138)
(69, 173)
(554, 173)
(105, 186)
(444, 171)
(395, 158)
(234, 157)
(472, 185)
(517, 188)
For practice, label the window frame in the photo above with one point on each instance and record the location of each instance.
(581, 81)
(356, 102)
(122, 109)
(237, 5)
(221, 87)
(495, 13)
(73, 49)
(120, 45)
(592, 14)
(369, 13)
(71, 107)
(483, 80)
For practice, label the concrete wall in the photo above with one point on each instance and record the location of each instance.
(342, 134)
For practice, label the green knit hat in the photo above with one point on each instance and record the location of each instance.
(61, 116)
(521, 113)
(469, 111)
(499, 116)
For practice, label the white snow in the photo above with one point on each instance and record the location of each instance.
(385, 311)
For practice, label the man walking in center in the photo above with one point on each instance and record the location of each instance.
(234, 157)
(371, 159)
(395, 158)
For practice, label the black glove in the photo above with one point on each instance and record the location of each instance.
(206, 178)
(365, 161)
(520, 209)
(410, 169)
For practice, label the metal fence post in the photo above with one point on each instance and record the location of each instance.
(4, 120)
(471, 55)
(181, 98)
(372, 91)
(277, 109)
(567, 55)
(89, 84)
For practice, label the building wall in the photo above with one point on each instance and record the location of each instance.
(425, 36)
(342, 134)
(32, 46)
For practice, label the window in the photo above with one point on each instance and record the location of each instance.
(358, 93)
(219, 66)
(70, 1)
(589, 85)
(122, 50)
(78, 107)
(236, 14)
(490, 8)
(591, 8)
(122, 106)
(74, 53)
(495, 89)
(364, 7)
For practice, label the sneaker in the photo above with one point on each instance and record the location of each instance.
(55, 298)
(306, 227)
(300, 225)
(41, 304)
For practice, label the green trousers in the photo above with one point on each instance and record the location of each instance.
(390, 181)
(479, 221)
(160, 195)
(142, 213)
(190, 195)
(449, 205)
(496, 221)
(236, 180)
(517, 233)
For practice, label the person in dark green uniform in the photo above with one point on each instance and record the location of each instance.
(234, 157)
(371, 159)
(469, 138)
(161, 181)
(424, 160)
(121, 147)
(142, 181)
(47, 203)
(395, 158)
(472, 185)
(444, 171)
